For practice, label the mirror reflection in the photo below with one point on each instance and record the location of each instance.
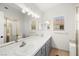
(16, 24)
(11, 23)
(12, 30)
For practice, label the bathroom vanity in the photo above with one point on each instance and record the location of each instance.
(34, 46)
(44, 51)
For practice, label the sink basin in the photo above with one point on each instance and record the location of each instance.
(23, 50)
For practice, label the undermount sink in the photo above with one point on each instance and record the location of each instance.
(23, 50)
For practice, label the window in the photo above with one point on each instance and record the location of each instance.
(58, 23)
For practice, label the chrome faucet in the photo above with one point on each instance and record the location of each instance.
(23, 43)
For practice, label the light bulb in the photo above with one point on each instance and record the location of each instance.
(47, 22)
(23, 11)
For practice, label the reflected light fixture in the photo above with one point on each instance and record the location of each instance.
(47, 22)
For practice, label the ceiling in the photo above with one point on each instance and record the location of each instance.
(46, 6)
(43, 7)
(10, 6)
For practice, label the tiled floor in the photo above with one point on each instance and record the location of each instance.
(58, 52)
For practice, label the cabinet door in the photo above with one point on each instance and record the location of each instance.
(38, 53)
(43, 51)
(49, 43)
(47, 49)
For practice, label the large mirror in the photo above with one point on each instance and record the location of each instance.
(16, 23)
(10, 23)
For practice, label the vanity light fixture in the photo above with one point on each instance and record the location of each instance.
(24, 11)
(33, 14)
(38, 16)
(28, 10)
(29, 13)
(47, 22)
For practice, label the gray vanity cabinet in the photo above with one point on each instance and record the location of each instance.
(47, 50)
(41, 52)
(49, 44)
(38, 53)
(44, 51)
(48, 47)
